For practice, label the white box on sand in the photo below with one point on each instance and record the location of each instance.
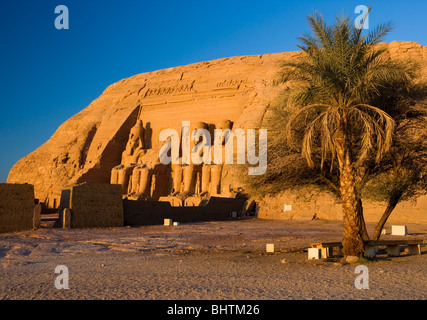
(399, 230)
(270, 247)
(176, 224)
(168, 222)
(314, 253)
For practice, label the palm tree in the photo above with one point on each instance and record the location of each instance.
(340, 72)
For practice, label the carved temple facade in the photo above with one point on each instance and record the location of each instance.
(144, 177)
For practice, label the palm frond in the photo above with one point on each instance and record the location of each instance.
(322, 32)
(294, 116)
(377, 126)
(378, 33)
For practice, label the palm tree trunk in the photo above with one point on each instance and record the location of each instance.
(352, 238)
(351, 204)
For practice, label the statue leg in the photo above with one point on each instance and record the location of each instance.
(206, 178)
(145, 182)
(135, 180)
(114, 179)
(216, 179)
(161, 186)
(188, 179)
(123, 178)
(177, 179)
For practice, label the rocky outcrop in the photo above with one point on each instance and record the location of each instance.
(87, 146)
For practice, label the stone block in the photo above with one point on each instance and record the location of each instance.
(325, 252)
(393, 251)
(175, 224)
(351, 259)
(66, 218)
(399, 230)
(370, 251)
(414, 249)
(37, 217)
(167, 222)
(314, 253)
(93, 205)
(16, 207)
(269, 247)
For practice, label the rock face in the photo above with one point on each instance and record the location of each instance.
(312, 204)
(87, 146)
(90, 144)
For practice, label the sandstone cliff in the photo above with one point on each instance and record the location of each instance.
(87, 146)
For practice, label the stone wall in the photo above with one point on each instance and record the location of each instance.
(138, 213)
(307, 204)
(93, 205)
(16, 207)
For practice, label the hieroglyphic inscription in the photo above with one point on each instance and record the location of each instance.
(189, 87)
(231, 83)
(170, 90)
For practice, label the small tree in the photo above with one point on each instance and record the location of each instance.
(402, 174)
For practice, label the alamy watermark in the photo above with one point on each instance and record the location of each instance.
(223, 141)
(61, 281)
(62, 21)
(362, 281)
(362, 20)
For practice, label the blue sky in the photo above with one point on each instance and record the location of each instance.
(48, 75)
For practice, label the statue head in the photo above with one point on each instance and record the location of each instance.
(136, 137)
(224, 125)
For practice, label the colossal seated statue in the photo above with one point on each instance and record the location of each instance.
(130, 157)
(135, 146)
(215, 170)
(149, 178)
(202, 179)
(143, 176)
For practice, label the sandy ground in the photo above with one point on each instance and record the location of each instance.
(212, 260)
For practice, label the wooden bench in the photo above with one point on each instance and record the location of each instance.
(371, 247)
(392, 247)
